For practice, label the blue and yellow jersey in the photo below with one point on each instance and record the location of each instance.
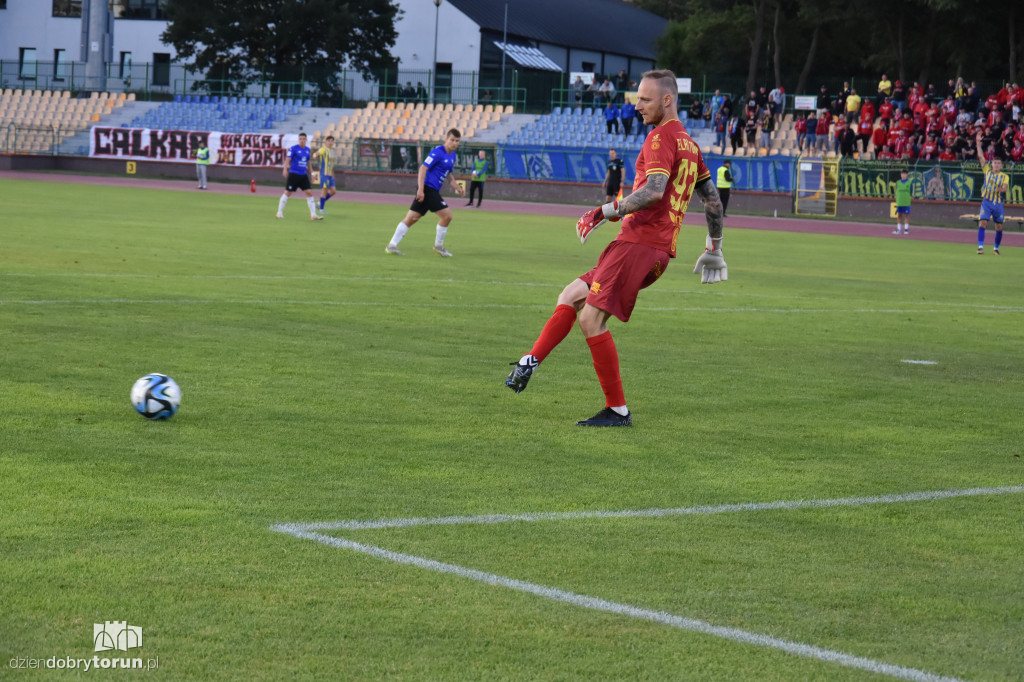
(992, 189)
(327, 159)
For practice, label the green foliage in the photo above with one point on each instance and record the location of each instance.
(325, 380)
(277, 39)
(925, 40)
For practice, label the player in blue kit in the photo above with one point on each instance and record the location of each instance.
(296, 172)
(430, 180)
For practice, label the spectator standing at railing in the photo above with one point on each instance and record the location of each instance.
(847, 139)
(885, 111)
(595, 91)
(800, 126)
(626, 114)
(899, 96)
(973, 98)
(421, 92)
(611, 118)
(578, 86)
(867, 110)
(705, 113)
(720, 126)
(824, 121)
(811, 128)
(777, 103)
(750, 128)
(622, 82)
(767, 128)
(751, 106)
(960, 93)
(717, 103)
(864, 130)
(852, 106)
(695, 113)
(735, 132)
(823, 100)
(884, 90)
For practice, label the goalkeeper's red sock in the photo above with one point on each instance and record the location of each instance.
(555, 330)
(606, 363)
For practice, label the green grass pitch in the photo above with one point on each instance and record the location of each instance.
(324, 380)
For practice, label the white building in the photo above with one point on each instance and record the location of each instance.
(42, 41)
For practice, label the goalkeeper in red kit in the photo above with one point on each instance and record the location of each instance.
(669, 170)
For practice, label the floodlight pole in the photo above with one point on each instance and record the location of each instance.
(433, 85)
(504, 41)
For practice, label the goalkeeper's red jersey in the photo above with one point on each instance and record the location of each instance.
(668, 150)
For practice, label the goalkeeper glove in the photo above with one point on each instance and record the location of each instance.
(711, 265)
(595, 218)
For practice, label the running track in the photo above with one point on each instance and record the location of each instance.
(788, 224)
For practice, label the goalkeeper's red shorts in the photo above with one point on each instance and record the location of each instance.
(622, 270)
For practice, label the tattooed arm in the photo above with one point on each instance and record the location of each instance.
(651, 193)
(713, 210)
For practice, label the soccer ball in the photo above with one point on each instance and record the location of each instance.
(156, 396)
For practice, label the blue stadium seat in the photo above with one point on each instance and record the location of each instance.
(307, 103)
(177, 98)
(261, 101)
(205, 99)
(232, 100)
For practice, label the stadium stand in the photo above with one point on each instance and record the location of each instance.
(416, 122)
(226, 114)
(36, 121)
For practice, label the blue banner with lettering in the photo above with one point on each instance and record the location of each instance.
(589, 164)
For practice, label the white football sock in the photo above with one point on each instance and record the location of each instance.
(399, 234)
(281, 203)
(441, 232)
(311, 202)
(621, 410)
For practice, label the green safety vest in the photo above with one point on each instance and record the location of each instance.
(203, 156)
(478, 166)
(722, 182)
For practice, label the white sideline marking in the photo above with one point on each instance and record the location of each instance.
(638, 513)
(307, 531)
(920, 362)
(660, 617)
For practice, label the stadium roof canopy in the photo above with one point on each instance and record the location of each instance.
(599, 25)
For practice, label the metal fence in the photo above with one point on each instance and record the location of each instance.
(344, 88)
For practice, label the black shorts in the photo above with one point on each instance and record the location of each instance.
(613, 188)
(296, 181)
(432, 201)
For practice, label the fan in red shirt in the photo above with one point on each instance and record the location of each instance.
(1017, 153)
(669, 170)
(880, 137)
(867, 110)
(906, 123)
(947, 154)
(885, 110)
(864, 130)
(930, 148)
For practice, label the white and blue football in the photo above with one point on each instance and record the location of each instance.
(156, 396)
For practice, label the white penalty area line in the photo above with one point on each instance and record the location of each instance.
(309, 532)
(652, 513)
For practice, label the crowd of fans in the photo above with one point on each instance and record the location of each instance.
(899, 122)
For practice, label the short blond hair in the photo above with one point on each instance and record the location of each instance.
(666, 79)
